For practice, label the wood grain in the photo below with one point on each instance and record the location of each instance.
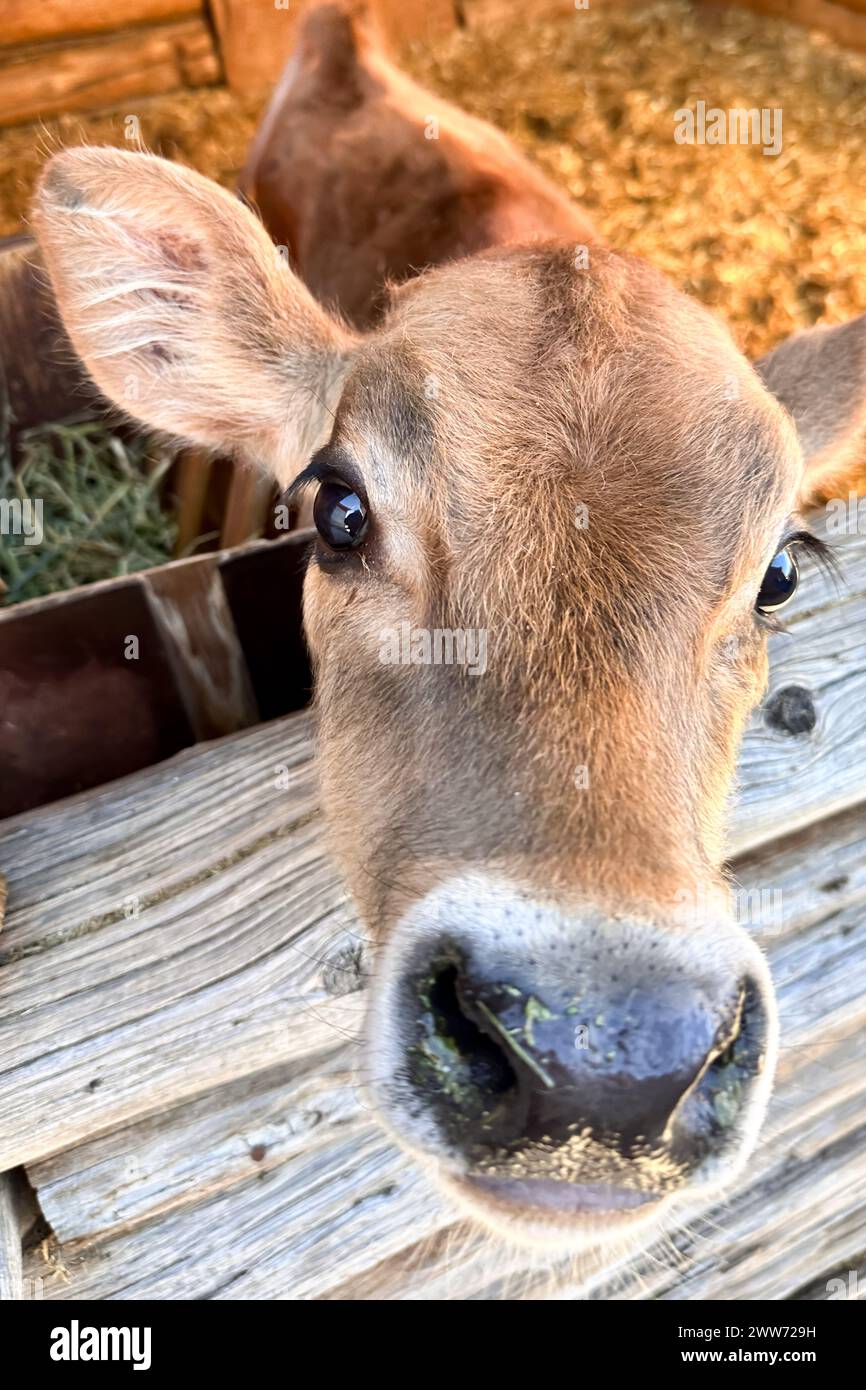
(191, 609)
(173, 995)
(789, 780)
(25, 22)
(294, 1171)
(44, 80)
(11, 1287)
(284, 1169)
(164, 935)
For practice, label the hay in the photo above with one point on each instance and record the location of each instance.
(209, 128)
(774, 244)
(101, 513)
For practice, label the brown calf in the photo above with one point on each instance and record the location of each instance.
(556, 508)
(366, 178)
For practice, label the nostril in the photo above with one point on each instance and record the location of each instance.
(454, 1056)
(746, 1037)
(718, 1099)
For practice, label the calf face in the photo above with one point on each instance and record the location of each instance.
(568, 468)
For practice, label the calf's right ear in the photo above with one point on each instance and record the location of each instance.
(183, 311)
(820, 376)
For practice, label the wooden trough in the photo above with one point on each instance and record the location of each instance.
(181, 993)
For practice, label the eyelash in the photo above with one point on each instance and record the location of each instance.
(823, 556)
(319, 471)
(815, 547)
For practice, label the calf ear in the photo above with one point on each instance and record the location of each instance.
(820, 376)
(182, 310)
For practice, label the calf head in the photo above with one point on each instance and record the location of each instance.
(568, 468)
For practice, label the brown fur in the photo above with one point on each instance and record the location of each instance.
(609, 647)
(346, 177)
(820, 376)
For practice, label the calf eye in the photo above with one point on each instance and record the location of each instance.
(341, 517)
(780, 582)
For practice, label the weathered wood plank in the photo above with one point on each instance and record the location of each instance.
(163, 936)
(155, 1182)
(45, 80)
(200, 1147)
(24, 22)
(296, 1166)
(11, 1287)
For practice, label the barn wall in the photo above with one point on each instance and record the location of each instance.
(83, 55)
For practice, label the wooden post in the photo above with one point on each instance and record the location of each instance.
(255, 39)
(246, 506)
(257, 36)
(11, 1288)
(194, 467)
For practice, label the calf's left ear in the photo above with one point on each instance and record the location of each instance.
(183, 311)
(820, 376)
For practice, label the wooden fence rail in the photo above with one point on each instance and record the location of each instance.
(84, 55)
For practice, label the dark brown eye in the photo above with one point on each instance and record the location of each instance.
(341, 517)
(780, 582)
